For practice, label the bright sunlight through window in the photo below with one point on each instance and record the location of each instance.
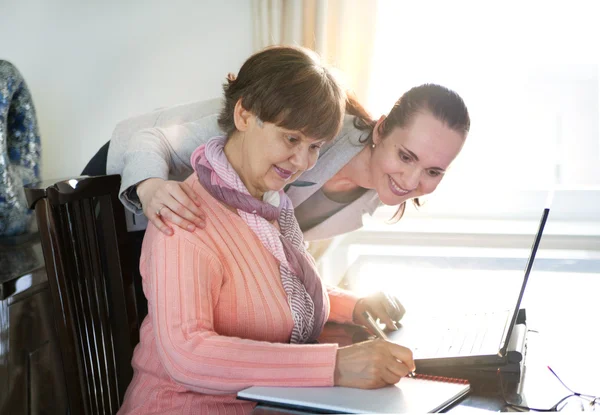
(529, 74)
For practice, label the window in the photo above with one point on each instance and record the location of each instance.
(529, 73)
(530, 78)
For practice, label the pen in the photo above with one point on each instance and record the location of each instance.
(373, 325)
(380, 334)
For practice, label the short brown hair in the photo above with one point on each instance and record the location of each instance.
(289, 87)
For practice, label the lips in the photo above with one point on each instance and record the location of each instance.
(397, 190)
(283, 173)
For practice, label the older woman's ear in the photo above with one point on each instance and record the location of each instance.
(241, 116)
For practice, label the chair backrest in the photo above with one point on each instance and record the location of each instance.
(85, 244)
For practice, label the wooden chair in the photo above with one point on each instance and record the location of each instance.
(85, 245)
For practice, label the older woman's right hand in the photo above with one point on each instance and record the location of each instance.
(175, 201)
(372, 364)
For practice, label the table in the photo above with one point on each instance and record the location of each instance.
(563, 311)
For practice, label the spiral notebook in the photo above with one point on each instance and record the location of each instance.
(411, 395)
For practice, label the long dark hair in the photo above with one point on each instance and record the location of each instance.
(444, 104)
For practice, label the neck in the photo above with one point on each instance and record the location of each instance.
(358, 169)
(234, 151)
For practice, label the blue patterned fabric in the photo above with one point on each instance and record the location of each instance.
(20, 150)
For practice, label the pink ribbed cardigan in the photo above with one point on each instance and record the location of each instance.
(218, 321)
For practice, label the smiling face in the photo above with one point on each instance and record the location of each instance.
(411, 161)
(268, 157)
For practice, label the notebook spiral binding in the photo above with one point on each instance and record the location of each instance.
(441, 379)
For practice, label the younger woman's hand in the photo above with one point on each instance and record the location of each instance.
(386, 308)
(170, 200)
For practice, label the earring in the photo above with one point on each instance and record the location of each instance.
(373, 145)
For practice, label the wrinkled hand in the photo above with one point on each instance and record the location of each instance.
(386, 308)
(177, 203)
(372, 364)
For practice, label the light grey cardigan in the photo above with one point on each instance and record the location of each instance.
(160, 144)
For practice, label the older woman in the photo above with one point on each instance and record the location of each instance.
(239, 303)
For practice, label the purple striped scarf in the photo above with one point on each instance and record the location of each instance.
(306, 296)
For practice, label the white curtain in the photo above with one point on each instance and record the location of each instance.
(341, 31)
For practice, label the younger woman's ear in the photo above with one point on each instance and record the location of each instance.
(241, 116)
(376, 134)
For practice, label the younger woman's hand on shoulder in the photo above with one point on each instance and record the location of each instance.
(168, 200)
(372, 364)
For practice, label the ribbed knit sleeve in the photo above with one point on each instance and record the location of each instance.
(185, 286)
(342, 305)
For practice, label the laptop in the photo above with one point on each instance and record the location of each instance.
(474, 339)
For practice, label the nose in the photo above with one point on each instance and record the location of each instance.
(411, 178)
(302, 159)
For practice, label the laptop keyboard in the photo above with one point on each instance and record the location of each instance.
(465, 335)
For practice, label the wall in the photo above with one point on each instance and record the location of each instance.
(90, 66)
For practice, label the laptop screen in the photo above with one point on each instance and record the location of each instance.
(534, 248)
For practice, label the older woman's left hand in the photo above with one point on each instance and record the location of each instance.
(384, 307)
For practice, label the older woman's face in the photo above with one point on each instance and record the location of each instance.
(411, 162)
(273, 156)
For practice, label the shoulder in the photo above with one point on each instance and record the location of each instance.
(189, 112)
(200, 112)
(200, 130)
(224, 228)
(201, 240)
(181, 138)
(167, 253)
(349, 135)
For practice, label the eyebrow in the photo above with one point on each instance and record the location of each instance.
(413, 155)
(303, 136)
